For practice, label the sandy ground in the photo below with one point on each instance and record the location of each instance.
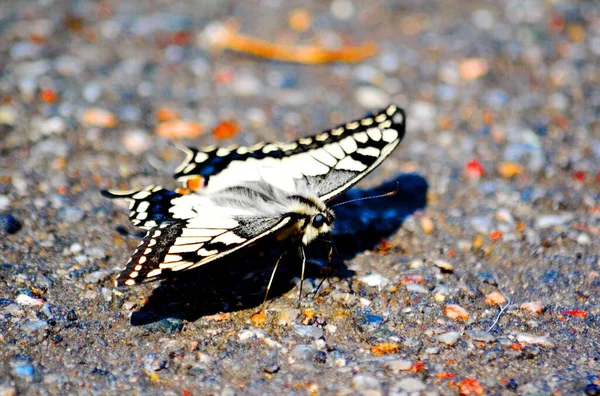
(497, 211)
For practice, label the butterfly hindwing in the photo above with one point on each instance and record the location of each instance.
(174, 246)
(329, 162)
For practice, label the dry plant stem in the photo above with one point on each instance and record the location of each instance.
(235, 41)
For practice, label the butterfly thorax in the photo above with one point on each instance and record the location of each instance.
(310, 216)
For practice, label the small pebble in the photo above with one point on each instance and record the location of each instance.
(410, 385)
(532, 339)
(71, 214)
(450, 338)
(551, 220)
(584, 239)
(342, 9)
(457, 312)
(97, 117)
(480, 335)
(534, 307)
(443, 265)
(363, 382)
(474, 68)
(371, 97)
(287, 316)
(427, 224)
(24, 299)
(374, 280)
(177, 129)
(510, 169)
(396, 366)
(495, 298)
(303, 352)
(415, 288)
(308, 331)
(136, 141)
(97, 276)
(9, 223)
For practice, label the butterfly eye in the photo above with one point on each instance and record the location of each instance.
(318, 221)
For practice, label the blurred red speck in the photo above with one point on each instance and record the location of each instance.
(474, 169)
(598, 177)
(48, 96)
(223, 77)
(62, 190)
(412, 279)
(418, 367)
(574, 312)
(470, 387)
(579, 175)
(495, 235)
(226, 130)
(445, 375)
(557, 22)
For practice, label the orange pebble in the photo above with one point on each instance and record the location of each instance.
(457, 312)
(166, 114)
(534, 307)
(179, 129)
(495, 298)
(99, 118)
(259, 318)
(510, 169)
(226, 130)
(470, 387)
(385, 348)
(473, 68)
(300, 19)
(427, 224)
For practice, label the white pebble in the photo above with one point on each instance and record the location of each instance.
(371, 97)
(374, 280)
(342, 9)
(450, 338)
(528, 338)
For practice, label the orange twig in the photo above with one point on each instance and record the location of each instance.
(229, 38)
(583, 227)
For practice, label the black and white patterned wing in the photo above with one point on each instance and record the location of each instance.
(330, 162)
(148, 207)
(180, 238)
(175, 246)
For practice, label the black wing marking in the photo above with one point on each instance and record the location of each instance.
(176, 246)
(148, 207)
(330, 162)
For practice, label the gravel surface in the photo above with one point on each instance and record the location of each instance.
(480, 277)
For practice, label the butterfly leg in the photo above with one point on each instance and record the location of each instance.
(271, 280)
(332, 250)
(301, 253)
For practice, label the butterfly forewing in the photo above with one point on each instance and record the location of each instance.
(330, 162)
(175, 246)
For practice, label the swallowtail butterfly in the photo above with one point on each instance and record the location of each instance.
(234, 196)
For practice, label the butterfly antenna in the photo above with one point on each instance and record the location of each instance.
(388, 194)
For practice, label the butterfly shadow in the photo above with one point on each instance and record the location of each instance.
(238, 281)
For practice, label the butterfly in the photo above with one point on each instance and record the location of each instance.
(233, 197)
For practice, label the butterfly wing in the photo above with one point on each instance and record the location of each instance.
(329, 163)
(179, 238)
